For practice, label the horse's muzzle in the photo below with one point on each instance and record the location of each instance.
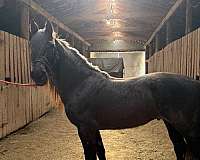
(39, 76)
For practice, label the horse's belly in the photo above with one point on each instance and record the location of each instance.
(123, 119)
(122, 124)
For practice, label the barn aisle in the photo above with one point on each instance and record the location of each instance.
(53, 138)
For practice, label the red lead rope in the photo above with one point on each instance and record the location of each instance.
(18, 84)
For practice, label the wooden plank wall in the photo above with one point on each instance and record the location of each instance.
(18, 105)
(181, 56)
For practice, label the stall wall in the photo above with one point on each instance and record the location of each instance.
(181, 57)
(19, 105)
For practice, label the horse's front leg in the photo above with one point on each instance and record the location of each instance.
(100, 146)
(88, 140)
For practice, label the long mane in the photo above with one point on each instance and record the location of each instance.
(80, 59)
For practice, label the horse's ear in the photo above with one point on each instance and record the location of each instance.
(34, 27)
(49, 28)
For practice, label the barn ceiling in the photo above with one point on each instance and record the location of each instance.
(110, 19)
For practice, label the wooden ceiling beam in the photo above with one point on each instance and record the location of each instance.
(169, 14)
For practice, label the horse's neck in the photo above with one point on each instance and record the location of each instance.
(67, 76)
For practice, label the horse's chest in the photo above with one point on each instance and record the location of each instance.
(71, 116)
(75, 113)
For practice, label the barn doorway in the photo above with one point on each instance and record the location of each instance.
(134, 62)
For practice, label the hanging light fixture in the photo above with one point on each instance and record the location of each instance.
(112, 21)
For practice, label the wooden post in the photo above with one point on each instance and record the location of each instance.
(153, 46)
(82, 49)
(146, 68)
(157, 42)
(150, 49)
(2, 55)
(162, 37)
(25, 24)
(147, 52)
(85, 51)
(188, 23)
(168, 32)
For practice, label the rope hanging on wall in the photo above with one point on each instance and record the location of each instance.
(17, 84)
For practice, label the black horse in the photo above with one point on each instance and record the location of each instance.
(95, 101)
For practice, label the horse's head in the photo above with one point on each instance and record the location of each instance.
(40, 42)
